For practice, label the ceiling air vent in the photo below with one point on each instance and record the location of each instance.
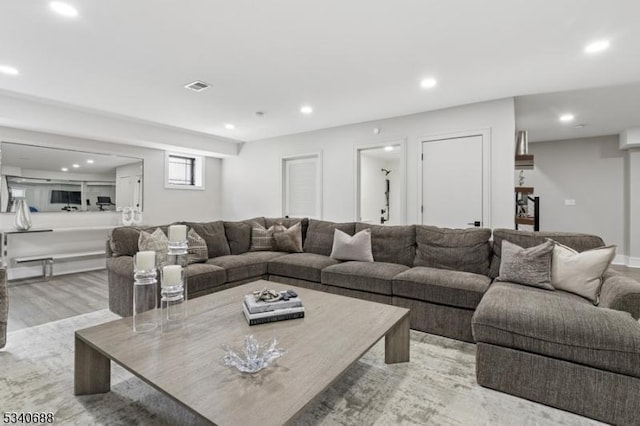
(197, 86)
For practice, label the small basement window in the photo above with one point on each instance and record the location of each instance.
(184, 171)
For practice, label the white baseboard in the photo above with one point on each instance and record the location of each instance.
(624, 260)
(633, 262)
(620, 259)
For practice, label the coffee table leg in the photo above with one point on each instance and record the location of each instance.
(92, 370)
(396, 343)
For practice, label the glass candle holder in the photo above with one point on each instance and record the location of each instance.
(177, 254)
(145, 295)
(172, 301)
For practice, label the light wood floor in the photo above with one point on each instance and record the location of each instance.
(33, 302)
(630, 272)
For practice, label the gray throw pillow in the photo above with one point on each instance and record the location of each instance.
(531, 266)
(261, 238)
(358, 247)
(155, 241)
(198, 251)
(289, 240)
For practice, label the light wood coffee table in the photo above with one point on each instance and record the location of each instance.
(186, 364)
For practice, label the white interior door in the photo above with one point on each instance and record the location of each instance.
(124, 192)
(302, 189)
(452, 182)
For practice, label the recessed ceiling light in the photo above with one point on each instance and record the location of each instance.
(90, 161)
(64, 169)
(306, 109)
(597, 46)
(63, 8)
(567, 117)
(75, 166)
(428, 83)
(229, 126)
(388, 148)
(6, 69)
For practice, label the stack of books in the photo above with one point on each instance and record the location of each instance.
(261, 312)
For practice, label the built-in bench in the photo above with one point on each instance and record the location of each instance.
(47, 260)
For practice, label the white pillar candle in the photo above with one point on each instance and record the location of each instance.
(177, 233)
(145, 260)
(171, 275)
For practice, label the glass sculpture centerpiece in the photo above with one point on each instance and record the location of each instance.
(255, 356)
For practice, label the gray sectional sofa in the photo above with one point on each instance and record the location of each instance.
(548, 346)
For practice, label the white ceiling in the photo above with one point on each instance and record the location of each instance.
(602, 111)
(353, 60)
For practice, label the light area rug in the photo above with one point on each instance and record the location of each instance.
(437, 387)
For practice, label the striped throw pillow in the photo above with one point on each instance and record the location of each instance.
(155, 241)
(198, 251)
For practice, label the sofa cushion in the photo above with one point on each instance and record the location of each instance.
(123, 240)
(452, 288)
(197, 251)
(374, 277)
(304, 266)
(214, 235)
(528, 266)
(288, 222)
(239, 234)
(156, 242)
(320, 235)
(559, 325)
(246, 265)
(356, 247)
(393, 244)
(288, 239)
(580, 273)
(202, 277)
(578, 242)
(262, 238)
(466, 250)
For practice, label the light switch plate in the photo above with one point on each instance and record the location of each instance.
(569, 202)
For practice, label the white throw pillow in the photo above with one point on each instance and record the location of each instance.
(580, 273)
(358, 247)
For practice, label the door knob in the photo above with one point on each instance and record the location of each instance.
(476, 223)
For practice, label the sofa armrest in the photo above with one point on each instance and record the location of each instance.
(621, 293)
(121, 265)
(120, 277)
(107, 248)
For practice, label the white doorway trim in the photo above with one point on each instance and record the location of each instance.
(403, 174)
(486, 169)
(319, 183)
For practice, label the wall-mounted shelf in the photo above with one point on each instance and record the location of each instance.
(525, 221)
(524, 189)
(524, 162)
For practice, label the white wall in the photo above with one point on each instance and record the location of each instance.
(589, 171)
(34, 114)
(161, 205)
(251, 181)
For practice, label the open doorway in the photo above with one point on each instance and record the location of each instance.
(380, 195)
